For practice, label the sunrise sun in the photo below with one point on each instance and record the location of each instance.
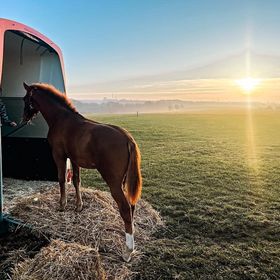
(248, 85)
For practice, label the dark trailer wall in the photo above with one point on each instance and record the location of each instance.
(26, 152)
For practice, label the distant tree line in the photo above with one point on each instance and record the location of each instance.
(108, 106)
(116, 107)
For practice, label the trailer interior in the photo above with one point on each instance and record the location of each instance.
(26, 152)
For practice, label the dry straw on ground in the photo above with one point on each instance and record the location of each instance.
(98, 226)
(60, 260)
(14, 188)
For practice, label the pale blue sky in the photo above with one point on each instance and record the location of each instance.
(115, 40)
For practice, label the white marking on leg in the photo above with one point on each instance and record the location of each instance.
(69, 173)
(129, 241)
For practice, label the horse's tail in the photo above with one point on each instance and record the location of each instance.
(133, 181)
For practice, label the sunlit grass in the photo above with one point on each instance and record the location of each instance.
(214, 176)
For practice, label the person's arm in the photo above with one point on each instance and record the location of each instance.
(4, 115)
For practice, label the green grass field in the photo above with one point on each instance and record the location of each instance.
(215, 179)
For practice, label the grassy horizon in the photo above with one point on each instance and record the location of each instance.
(214, 177)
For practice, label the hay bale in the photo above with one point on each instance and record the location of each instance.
(61, 260)
(10, 259)
(98, 226)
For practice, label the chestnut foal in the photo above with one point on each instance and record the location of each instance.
(89, 144)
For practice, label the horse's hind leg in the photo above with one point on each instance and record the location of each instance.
(77, 182)
(132, 211)
(126, 214)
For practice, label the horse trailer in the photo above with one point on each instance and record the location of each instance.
(26, 56)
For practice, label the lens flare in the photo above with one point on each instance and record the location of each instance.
(248, 84)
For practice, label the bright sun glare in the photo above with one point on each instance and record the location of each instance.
(248, 84)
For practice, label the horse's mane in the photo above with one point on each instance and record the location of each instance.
(57, 95)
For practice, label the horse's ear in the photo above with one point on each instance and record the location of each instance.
(26, 86)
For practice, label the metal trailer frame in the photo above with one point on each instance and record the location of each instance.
(6, 223)
(3, 223)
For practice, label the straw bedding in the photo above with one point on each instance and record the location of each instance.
(98, 227)
(60, 260)
(14, 188)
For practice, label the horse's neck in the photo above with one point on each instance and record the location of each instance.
(51, 110)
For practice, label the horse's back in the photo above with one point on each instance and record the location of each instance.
(96, 145)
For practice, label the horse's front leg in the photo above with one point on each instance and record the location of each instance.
(77, 182)
(61, 169)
